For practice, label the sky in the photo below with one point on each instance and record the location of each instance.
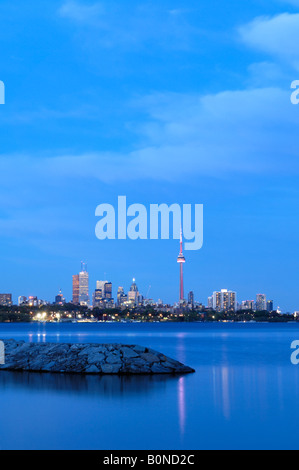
(163, 102)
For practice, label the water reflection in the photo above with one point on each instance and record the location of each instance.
(222, 378)
(86, 384)
(225, 392)
(182, 404)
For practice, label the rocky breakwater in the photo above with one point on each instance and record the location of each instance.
(88, 359)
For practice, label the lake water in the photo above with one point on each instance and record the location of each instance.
(244, 394)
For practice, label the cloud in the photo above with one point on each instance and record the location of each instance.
(276, 36)
(81, 13)
(127, 25)
(295, 3)
(189, 135)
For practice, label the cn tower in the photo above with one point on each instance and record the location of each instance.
(181, 261)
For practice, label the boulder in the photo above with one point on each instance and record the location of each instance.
(94, 359)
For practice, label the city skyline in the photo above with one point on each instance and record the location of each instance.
(160, 115)
(102, 294)
(222, 300)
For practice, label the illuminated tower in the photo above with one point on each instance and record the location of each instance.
(181, 261)
(133, 293)
(83, 285)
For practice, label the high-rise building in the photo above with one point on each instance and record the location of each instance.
(108, 290)
(59, 299)
(22, 300)
(224, 301)
(98, 298)
(100, 285)
(191, 298)
(133, 293)
(83, 285)
(121, 296)
(181, 260)
(76, 289)
(33, 301)
(6, 300)
(261, 303)
(270, 304)
(247, 305)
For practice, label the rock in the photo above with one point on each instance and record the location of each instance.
(128, 352)
(139, 349)
(88, 359)
(95, 357)
(92, 370)
(149, 357)
(159, 369)
(136, 369)
(113, 359)
(111, 368)
(48, 366)
(88, 350)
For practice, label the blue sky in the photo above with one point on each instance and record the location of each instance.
(162, 102)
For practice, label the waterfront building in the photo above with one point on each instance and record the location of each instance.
(108, 291)
(261, 302)
(224, 301)
(81, 287)
(191, 299)
(22, 300)
(76, 289)
(6, 300)
(121, 296)
(84, 285)
(133, 293)
(247, 305)
(97, 298)
(59, 299)
(270, 304)
(33, 301)
(100, 285)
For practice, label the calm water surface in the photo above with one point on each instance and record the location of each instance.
(244, 395)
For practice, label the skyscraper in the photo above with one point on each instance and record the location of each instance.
(181, 261)
(261, 302)
(83, 285)
(59, 299)
(100, 285)
(108, 290)
(224, 301)
(191, 298)
(133, 293)
(98, 298)
(121, 296)
(76, 289)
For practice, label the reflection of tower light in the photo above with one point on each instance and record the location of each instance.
(181, 261)
(182, 405)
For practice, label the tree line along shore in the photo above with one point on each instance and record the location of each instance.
(71, 313)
